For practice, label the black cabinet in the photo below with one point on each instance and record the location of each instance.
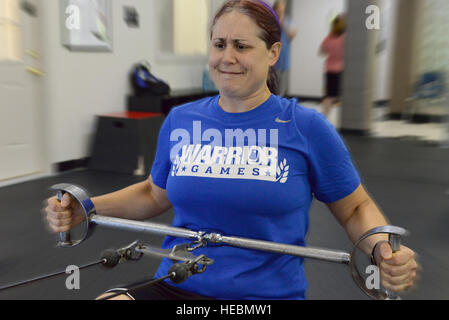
(125, 142)
(164, 104)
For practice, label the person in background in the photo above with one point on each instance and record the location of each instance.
(287, 35)
(333, 48)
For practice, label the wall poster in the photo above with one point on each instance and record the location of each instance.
(86, 25)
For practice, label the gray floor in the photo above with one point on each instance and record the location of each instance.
(409, 180)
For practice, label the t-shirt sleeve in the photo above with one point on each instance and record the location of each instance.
(332, 173)
(162, 164)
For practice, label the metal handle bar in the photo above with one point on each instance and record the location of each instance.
(148, 227)
(155, 228)
(328, 255)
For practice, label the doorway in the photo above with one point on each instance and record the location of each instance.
(21, 90)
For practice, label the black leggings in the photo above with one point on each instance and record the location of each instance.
(333, 84)
(160, 291)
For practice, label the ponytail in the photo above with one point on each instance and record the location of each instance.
(273, 81)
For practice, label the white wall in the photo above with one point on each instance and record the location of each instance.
(384, 59)
(311, 19)
(80, 85)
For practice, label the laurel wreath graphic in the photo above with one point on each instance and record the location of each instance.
(282, 172)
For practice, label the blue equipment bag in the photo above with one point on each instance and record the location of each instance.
(145, 83)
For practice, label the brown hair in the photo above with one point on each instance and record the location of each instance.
(265, 18)
(338, 26)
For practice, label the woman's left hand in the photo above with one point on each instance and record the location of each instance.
(398, 270)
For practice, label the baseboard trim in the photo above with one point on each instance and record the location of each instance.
(71, 164)
(27, 178)
(419, 118)
(355, 132)
(300, 98)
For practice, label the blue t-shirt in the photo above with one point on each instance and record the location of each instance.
(251, 175)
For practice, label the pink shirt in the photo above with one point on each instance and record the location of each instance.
(333, 47)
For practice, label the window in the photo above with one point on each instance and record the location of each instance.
(190, 27)
(10, 30)
(184, 26)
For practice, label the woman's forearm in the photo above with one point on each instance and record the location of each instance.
(366, 217)
(135, 202)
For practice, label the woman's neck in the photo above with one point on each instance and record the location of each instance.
(233, 104)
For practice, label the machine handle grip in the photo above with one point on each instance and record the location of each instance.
(88, 209)
(64, 237)
(394, 236)
(395, 244)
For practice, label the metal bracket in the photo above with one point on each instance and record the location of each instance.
(130, 252)
(180, 252)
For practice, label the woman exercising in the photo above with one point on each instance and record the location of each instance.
(247, 163)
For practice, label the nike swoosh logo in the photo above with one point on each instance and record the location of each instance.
(282, 121)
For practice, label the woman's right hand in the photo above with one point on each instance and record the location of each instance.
(63, 215)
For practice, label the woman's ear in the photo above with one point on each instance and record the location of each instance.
(275, 52)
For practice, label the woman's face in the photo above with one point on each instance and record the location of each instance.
(239, 60)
